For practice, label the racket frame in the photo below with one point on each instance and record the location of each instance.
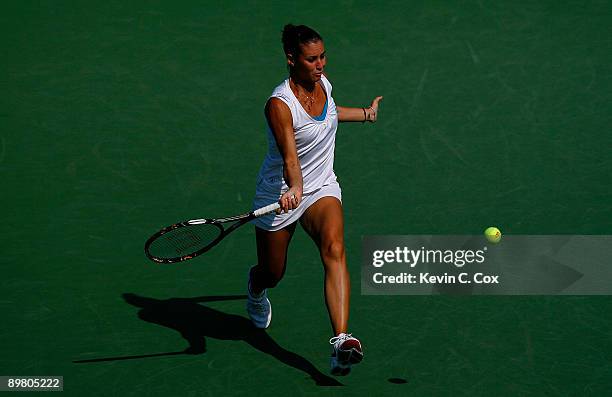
(238, 220)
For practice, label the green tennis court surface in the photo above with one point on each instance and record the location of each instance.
(117, 119)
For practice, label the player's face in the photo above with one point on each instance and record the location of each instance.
(311, 61)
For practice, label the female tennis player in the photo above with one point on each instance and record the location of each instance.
(298, 173)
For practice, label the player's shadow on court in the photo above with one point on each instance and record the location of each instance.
(196, 322)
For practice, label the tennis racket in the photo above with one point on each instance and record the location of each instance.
(188, 239)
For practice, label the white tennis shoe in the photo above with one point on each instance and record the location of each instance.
(258, 307)
(346, 352)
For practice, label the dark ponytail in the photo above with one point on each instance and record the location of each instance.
(294, 36)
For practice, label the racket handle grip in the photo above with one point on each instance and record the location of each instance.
(266, 210)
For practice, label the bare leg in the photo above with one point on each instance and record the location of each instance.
(324, 222)
(271, 257)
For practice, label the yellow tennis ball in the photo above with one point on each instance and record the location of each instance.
(493, 234)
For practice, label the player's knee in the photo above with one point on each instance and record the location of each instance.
(270, 279)
(333, 250)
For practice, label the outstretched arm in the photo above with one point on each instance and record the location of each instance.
(359, 114)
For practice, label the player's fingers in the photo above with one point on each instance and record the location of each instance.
(289, 201)
(375, 102)
(284, 203)
(292, 202)
(374, 107)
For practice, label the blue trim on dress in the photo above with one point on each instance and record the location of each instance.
(321, 117)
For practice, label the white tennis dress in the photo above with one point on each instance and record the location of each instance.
(315, 139)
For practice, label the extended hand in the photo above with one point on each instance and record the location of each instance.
(372, 115)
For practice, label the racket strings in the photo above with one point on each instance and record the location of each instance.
(184, 241)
